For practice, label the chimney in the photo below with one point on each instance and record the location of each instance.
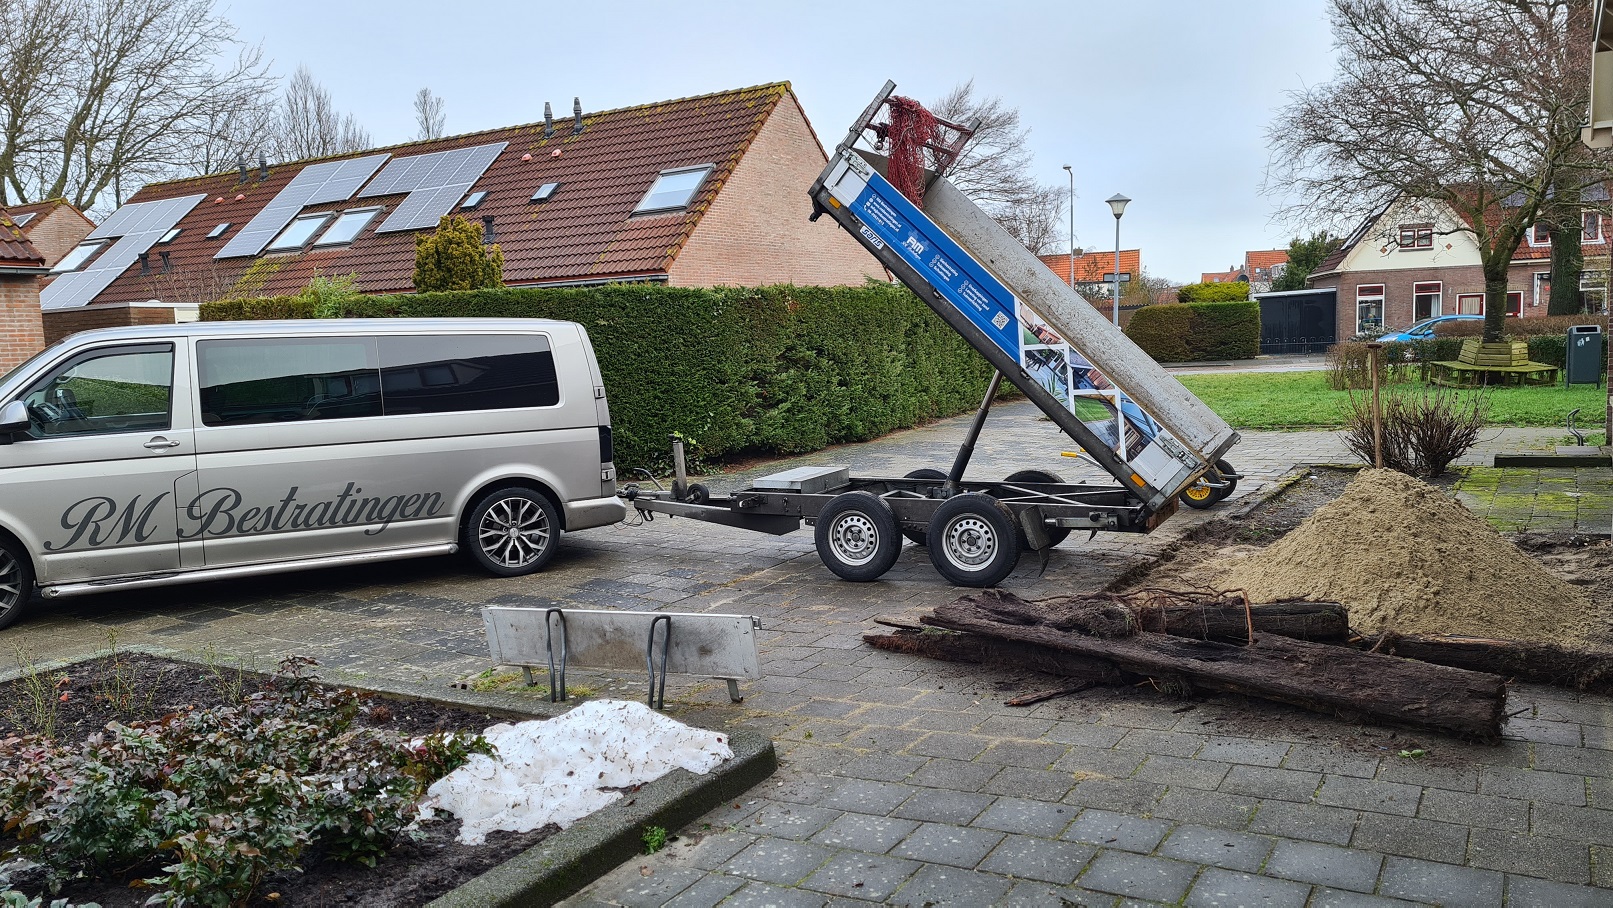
(240, 162)
(145, 263)
(576, 115)
(548, 121)
(263, 167)
(488, 235)
(166, 265)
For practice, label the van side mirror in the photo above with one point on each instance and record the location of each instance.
(13, 420)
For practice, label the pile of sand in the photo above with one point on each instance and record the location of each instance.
(1404, 556)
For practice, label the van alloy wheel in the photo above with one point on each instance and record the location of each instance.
(512, 531)
(16, 585)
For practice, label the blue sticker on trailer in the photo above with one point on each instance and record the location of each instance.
(889, 219)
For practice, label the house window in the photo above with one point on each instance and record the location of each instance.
(1369, 309)
(1425, 300)
(1592, 231)
(1416, 236)
(169, 236)
(474, 199)
(1542, 288)
(218, 231)
(22, 219)
(1540, 235)
(673, 189)
(1593, 291)
(298, 232)
(347, 226)
(79, 257)
(1515, 302)
(1470, 304)
(544, 191)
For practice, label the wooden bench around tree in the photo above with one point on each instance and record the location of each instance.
(1509, 360)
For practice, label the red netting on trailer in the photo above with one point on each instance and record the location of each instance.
(911, 129)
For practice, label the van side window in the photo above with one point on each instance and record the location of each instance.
(124, 389)
(457, 372)
(287, 379)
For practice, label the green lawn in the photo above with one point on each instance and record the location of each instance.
(1296, 400)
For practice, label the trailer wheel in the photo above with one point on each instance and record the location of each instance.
(919, 537)
(1200, 495)
(1055, 535)
(973, 540)
(857, 536)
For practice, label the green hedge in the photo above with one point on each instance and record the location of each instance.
(766, 370)
(1194, 332)
(1218, 292)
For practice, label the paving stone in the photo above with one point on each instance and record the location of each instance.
(1425, 881)
(939, 843)
(1602, 866)
(789, 821)
(714, 849)
(1265, 782)
(1116, 794)
(864, 796)
(1584, 824)
(1030, 783)
(707, 891)
(1173, 771)
(1031, 858)
(861, 876)
(1342, 898)
(761, 895)
(874, 835)
(1526, 891)
(1101, 762)
(1031, 894)
(1563, 860)
(1333, 760)
(941, 806)
(932, 720)
(1216, 888)
(959, 775)
(1247, 751)
(938, 885)
(882, 767)
(1015, 727)
(1411, 837)
(1138, 876)
(1117, 830)
(946, 744)
(882, 738)
(777, 861)
(1421, 772)
(1579, 761)
(1369, 794)
(1325, 865)
(1027, 754)
(1085, 734)
(1029, 817)
(1217, 847)
(657, 889)
(1533, 784)
(1564, 733)
(1167, 743)
(1207, 808)
(1474, 809)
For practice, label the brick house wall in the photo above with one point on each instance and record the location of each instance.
(59, 323)
(756, 231)
(21, 331)
(1454, 280)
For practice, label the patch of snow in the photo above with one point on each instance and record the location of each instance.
(551, 771)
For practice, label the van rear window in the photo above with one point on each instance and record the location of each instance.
(457, 372)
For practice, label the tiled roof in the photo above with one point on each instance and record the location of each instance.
(1265, 258)
(585, 231)
(1090, 267)
(40, 209)
(1223, 277)
(15, 250)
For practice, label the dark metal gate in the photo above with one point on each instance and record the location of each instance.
(1298, 321)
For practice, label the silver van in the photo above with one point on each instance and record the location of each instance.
(144, 456)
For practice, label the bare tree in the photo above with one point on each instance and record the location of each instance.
(1472, 103)
(995, 169)
(309, 125)
(99, 96)
(430, 115)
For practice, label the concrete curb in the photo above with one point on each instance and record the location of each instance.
(572, 858)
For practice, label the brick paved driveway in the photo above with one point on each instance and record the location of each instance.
(909, 781)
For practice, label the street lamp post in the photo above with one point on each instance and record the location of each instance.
(1117, 204)
(1072, 224)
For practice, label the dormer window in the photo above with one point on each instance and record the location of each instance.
(79, 257)
(1416, 236)
(1540, 235)
(347, 226)
(298, 232)
(673, 190)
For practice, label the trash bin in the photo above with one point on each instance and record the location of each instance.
(1584, 365)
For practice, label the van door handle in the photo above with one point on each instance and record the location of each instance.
(160, 444)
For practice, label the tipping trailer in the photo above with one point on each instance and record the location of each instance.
(1128, 414)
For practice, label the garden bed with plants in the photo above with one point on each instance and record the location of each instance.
(131, 778)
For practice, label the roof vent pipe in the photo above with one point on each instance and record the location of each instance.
(263, 167)
(488, 235)
(576, 115)
(145, 263)
(166, 265)
(548, 121)
(240, 162)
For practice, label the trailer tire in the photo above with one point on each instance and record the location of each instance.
(974, 541)
(920, 537)
(1199, 496)
(1055, 535)
(857, 536)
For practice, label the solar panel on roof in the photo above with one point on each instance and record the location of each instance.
(328, 181)
(435, 183)
(138, 227)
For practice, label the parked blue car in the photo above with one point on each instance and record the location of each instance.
(1425, 329)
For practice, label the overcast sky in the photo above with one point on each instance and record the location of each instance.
(1165, 101)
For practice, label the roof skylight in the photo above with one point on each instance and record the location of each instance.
(79, 257)
(673, 189)
(474, 199)
(23, 218)
(169, 236)
(298, 232)
(544, 191)
(347, 226)
(218, 231)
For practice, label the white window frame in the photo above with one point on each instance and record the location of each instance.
(1462, 298)
(321, 217)
(92, 250)
(1593, 284)
(1539, 235)
(369, 216)
(1362, 296)
(1422, 237)
(1438, 293)
(1541, 279)
(703, 169)
(1593, 220)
